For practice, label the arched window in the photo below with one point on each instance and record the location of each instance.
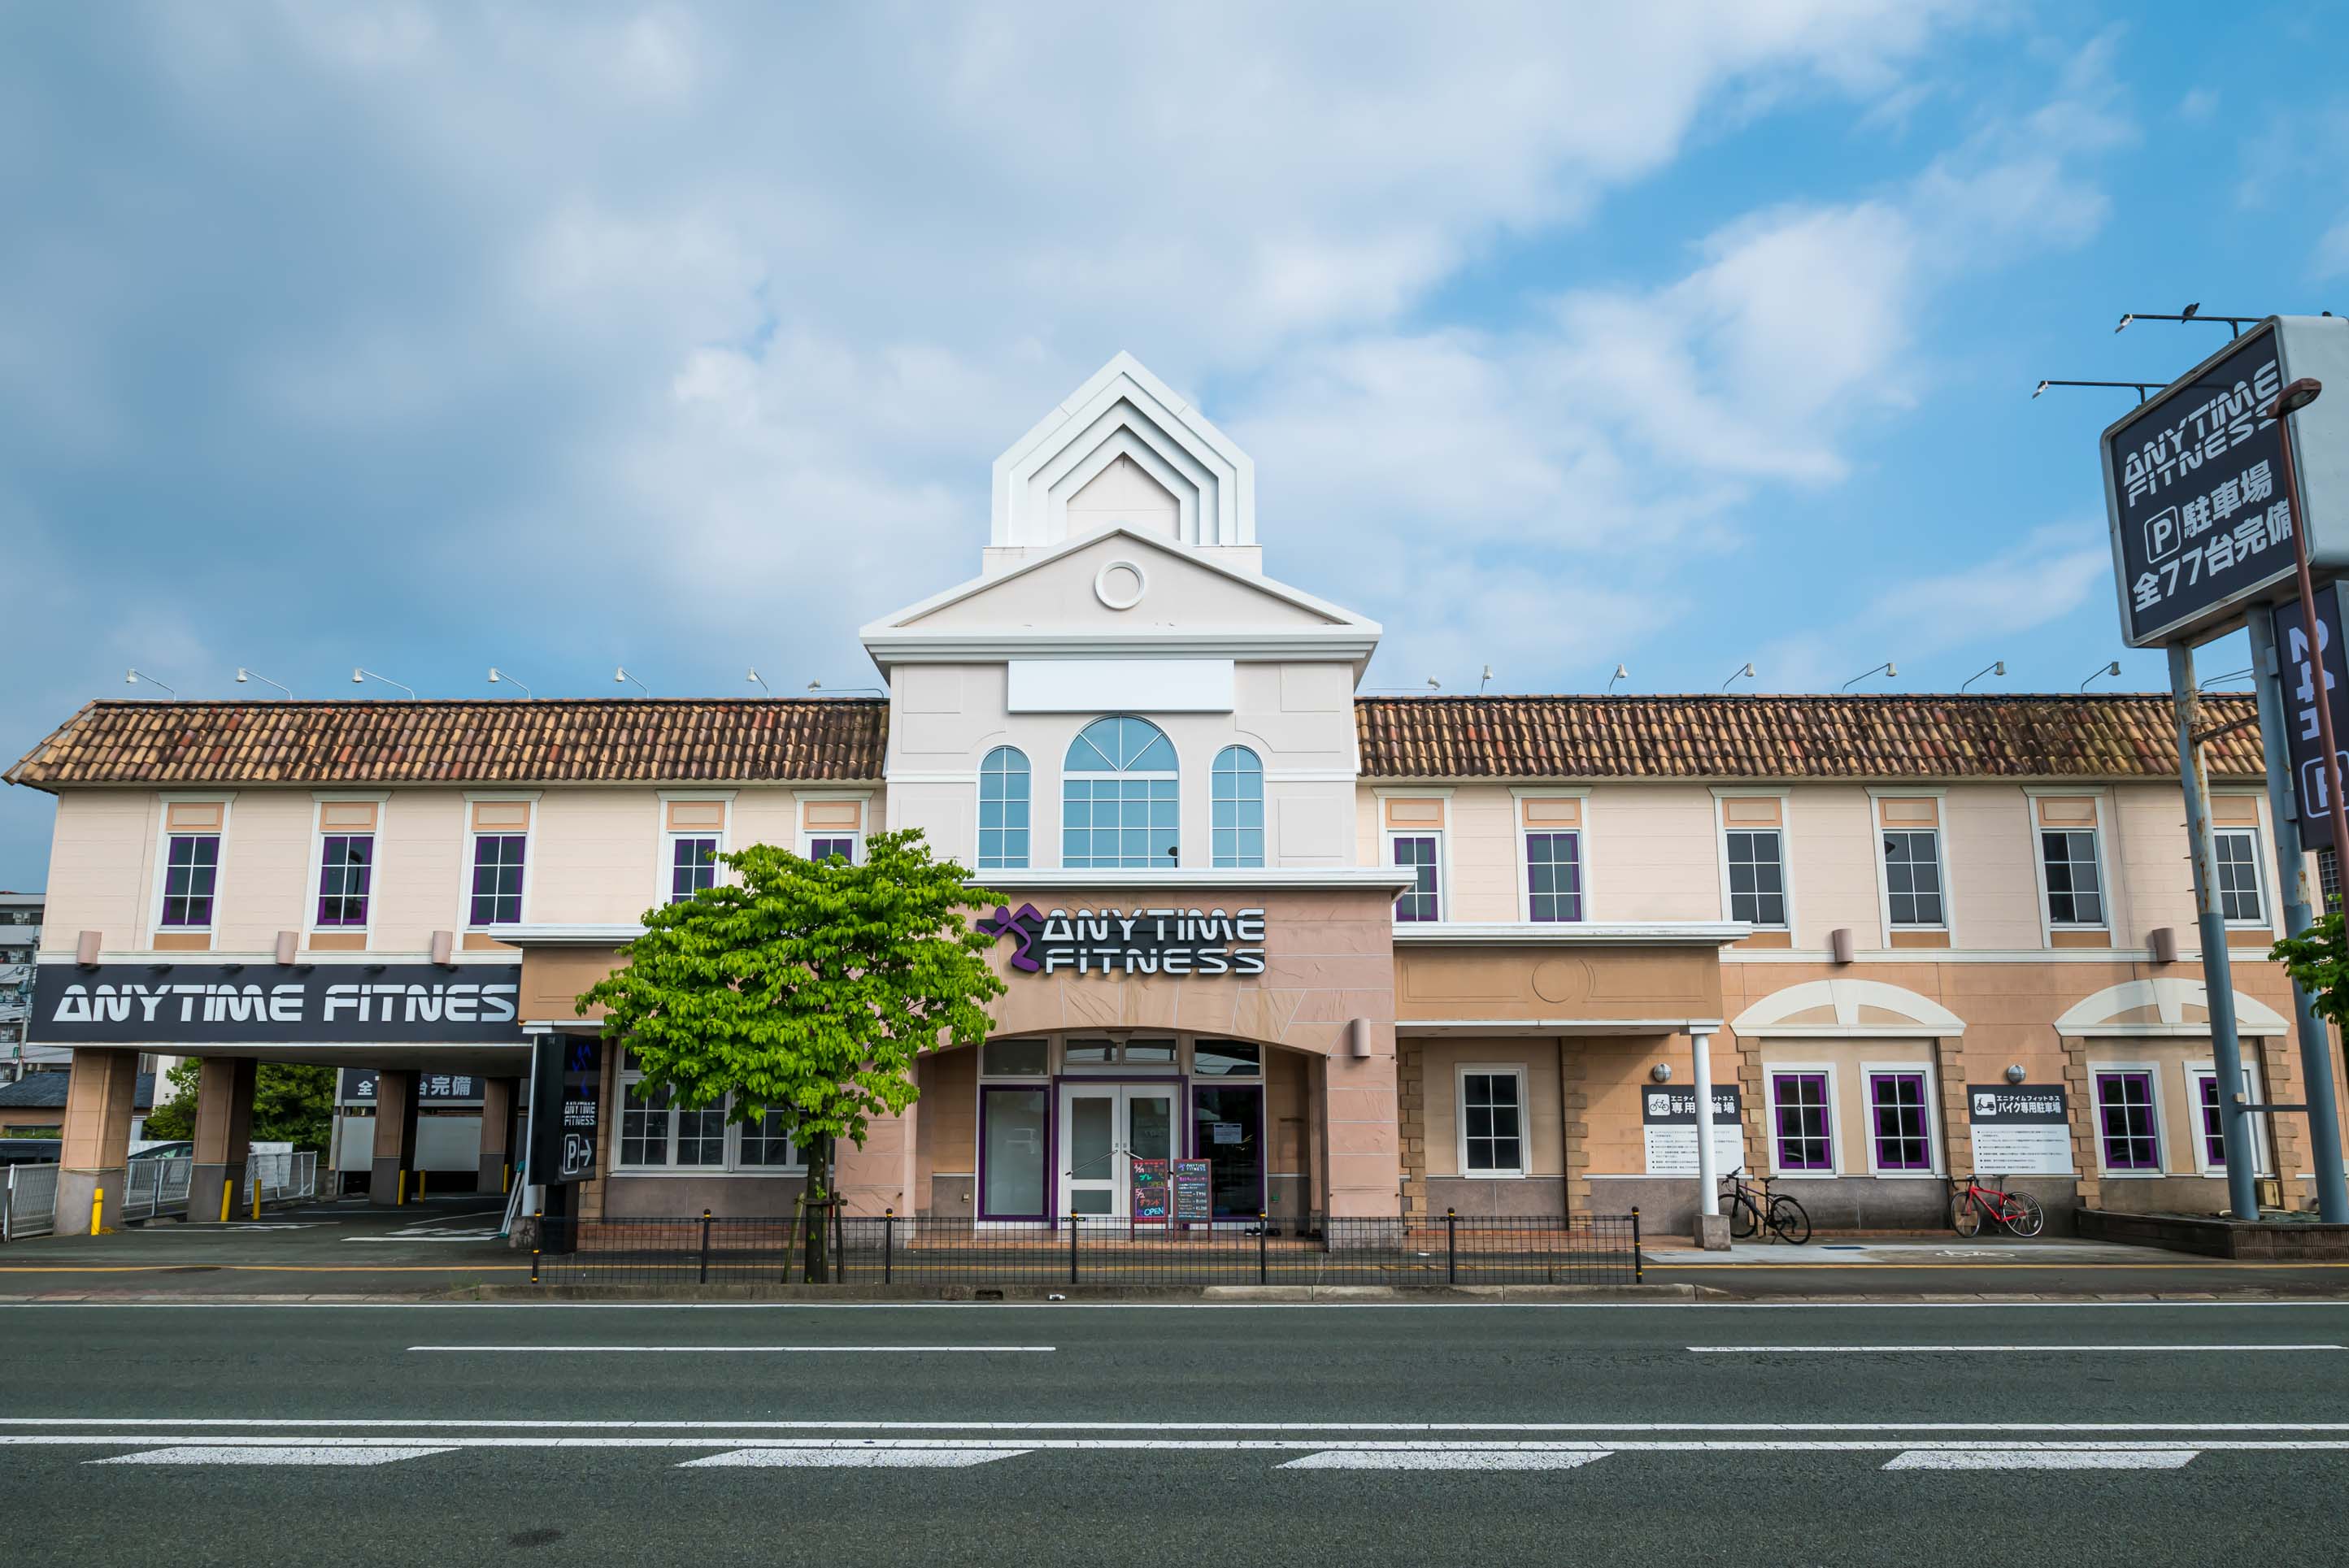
(1238, 800)
(1003, 810)
(1118, 800)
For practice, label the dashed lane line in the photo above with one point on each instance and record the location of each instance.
(1953, 1349)
(293, 1454)
(745, 1349)
(853, 1458)
(2044, 1459)
(1453, 1460)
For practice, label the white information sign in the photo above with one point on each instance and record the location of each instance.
(2020, 1130)
(1668, 1127)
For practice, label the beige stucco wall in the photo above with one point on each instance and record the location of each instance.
(99, 855)
(1988, 853)
(1832, 852)
(1544, 1116)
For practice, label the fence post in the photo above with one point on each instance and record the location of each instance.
(888, 1243)
(1072, 1249)
(1451, 1246)
(705, 1246)
(1638, 1262)
(1262, 1230)
(7, 1203)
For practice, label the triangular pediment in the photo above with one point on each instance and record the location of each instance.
(1122, 580)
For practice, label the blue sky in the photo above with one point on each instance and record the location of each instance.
(555, 337)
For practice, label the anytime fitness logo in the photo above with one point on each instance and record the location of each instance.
(1143, 942)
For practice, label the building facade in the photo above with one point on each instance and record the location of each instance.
(1363, 956)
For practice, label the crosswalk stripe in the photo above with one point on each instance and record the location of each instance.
(258, 1454)
(854, 1458)
(1441, 1460)
(2042, 1458)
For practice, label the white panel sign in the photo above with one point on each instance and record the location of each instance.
(2020, 1130)
(1668, 1125)
(1120, 686)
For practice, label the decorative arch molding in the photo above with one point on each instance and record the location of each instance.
(2161, 1009)
(1847, 1009)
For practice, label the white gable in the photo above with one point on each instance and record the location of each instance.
(1124, 450)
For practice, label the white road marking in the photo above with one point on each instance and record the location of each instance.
(1945, 1349)
(404, 1237)
(856, 1458)
(293, 1454)
(1211, 1445)
(1443, 1459)
(2043, 1458)
(486, 1424)
(745, 1349)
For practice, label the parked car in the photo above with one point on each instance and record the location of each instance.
(177, 1149)
(29, 1151)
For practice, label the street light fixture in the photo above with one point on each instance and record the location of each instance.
(132, 678)
(1745, 674)
(1888, 669)
(762, 685)
(2290, 401)
(499, 676)
(243, 675)
(2111, 669)
(1621, 673)
(620, 675)
(359, 676)
(1995, 667)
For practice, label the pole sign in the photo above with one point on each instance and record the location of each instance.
(2194, 483)
(569, 1082)
(2299, 665)
(2020, 1130)
(1668, 1127)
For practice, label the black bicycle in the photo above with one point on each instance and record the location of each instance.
(1751, 1207)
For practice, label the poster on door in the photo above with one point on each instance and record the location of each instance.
(1668, 1125)
(1149, 1199)
(2020, 1130)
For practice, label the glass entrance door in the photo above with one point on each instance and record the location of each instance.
(1104, 1128)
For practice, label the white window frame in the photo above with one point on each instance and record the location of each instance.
(2260, 878)
(1067, 775)
(226, 801)
(1868, 1073)
(1515, 1071)
(1517, 797)
(623, 1078)
(1838, 1149)
(2048, 924)
(319, 833)
(978, 808)
(1941, 831)
(2262, 1156)
(807, 836)
(2161, 1119)
(1264, 809)
(1784, 829)
(529, 857)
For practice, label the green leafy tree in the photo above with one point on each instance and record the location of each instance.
(2318, 962)
(806, 989)
(293, 1102)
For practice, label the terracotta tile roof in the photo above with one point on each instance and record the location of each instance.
(549, 741)
(2116, 737)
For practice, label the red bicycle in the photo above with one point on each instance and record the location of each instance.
(1970, 1201)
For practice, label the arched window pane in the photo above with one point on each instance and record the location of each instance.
(1239, 800)
(1119, 799)
(1003, 810)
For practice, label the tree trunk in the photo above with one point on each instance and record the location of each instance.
(818, 1212)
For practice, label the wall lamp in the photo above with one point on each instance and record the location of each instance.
(1744, 674)
(498, 676)
(2101, 671)
(762, 685)
(1995, 667)
(1888, 669)
(360, 676)
(243, 675)
(1621, 673)
(132, 678)
(620, 676)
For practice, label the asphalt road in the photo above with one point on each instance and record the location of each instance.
(1084, 1434)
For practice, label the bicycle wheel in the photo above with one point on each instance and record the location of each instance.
(2023, 1217)
(1742, 1216)
(1965, 1215)
(1788, 1220)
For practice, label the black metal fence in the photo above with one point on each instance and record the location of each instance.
(1583, 1249)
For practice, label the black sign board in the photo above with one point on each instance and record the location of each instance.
(2194, 491)
(198, 1005)
(1195, 1191)
(1130, 940)
(1674, 1105)
(356, 1086)
(1149, 1182)
(2300, 687)
(569, 1081)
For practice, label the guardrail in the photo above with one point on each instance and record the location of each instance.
(280, 1176)
(28, 1202)
(153, 1187)
(1582, 1249)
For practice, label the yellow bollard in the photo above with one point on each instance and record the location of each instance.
(400, 1192)
(96, 1212)
(419, 1183)
(228, 1195)
(256, 1197)
(507, 1185)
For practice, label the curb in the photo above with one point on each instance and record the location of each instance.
(1271, 1294)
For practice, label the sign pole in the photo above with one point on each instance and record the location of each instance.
(2292, 894)
(2218, 972)
(1708, 1178)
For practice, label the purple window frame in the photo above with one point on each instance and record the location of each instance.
(1425, 898)
(1901, 1124)
(2117, 1136)
(691, 866)
(494, 854)
(1806, 1120)
(191, 878)
(825, 846)
(1050, 1088)
(2214, 1137)
(345, 884)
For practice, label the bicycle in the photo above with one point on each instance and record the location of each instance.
(1752, 1208)
(1969, 1201)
